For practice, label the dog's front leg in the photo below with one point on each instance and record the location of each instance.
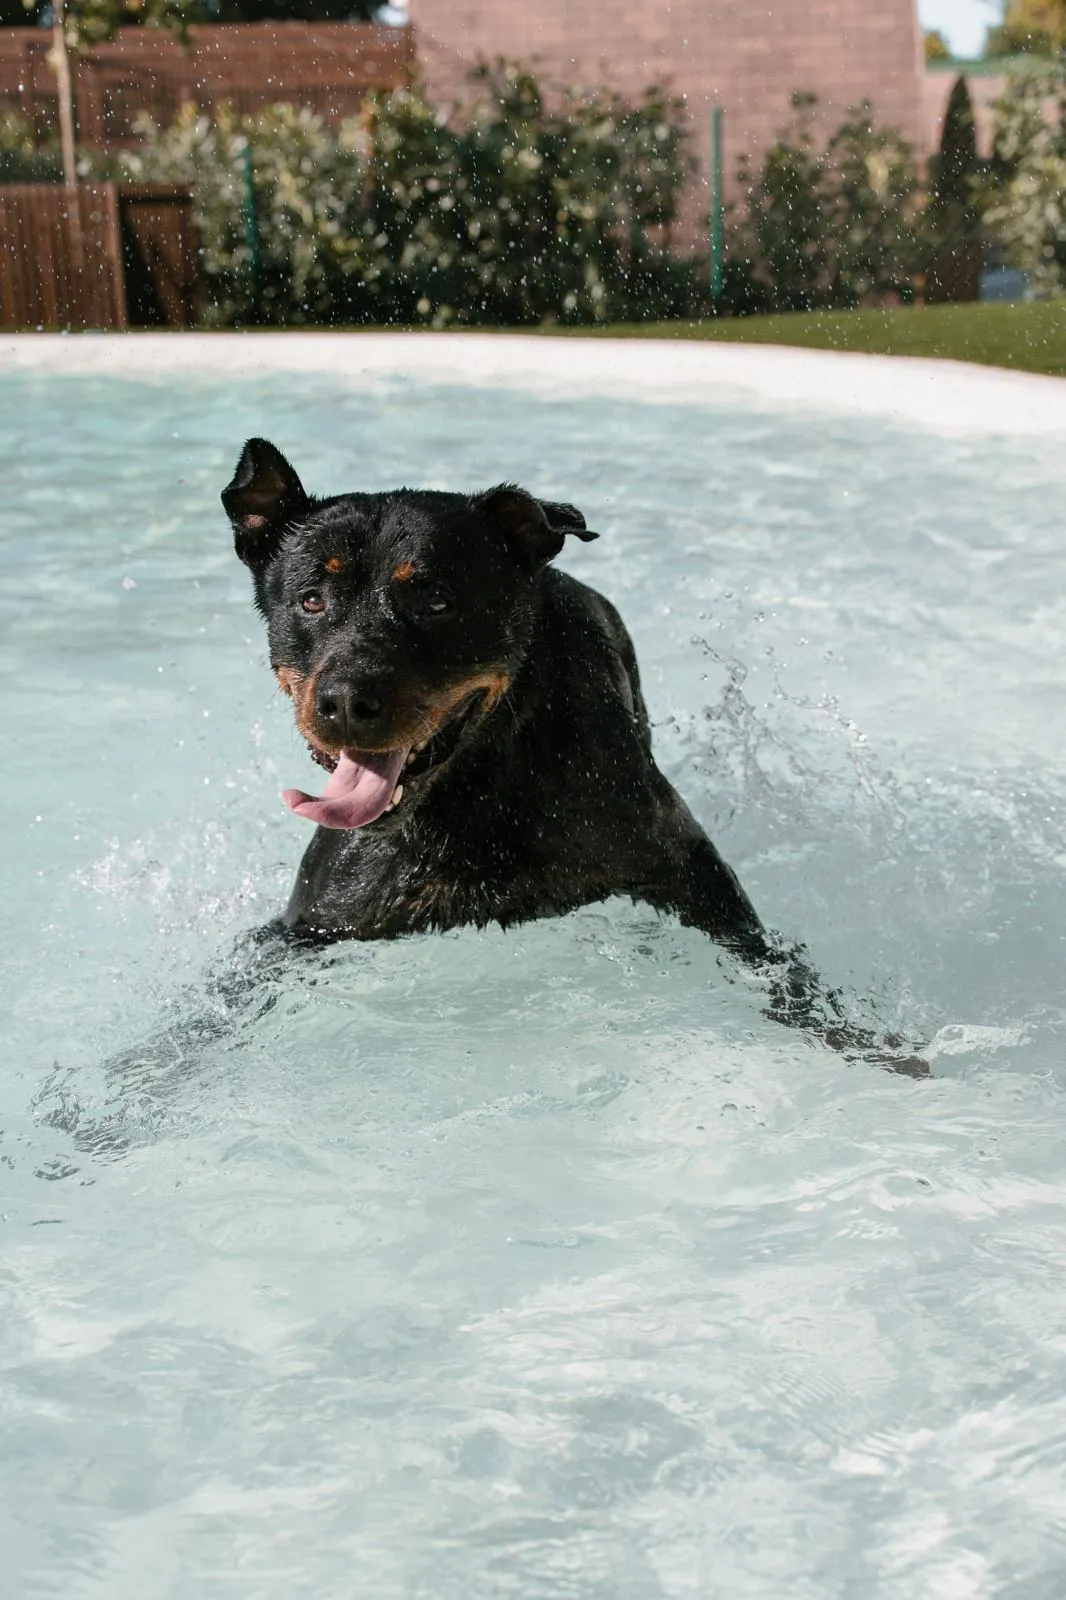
(704, 892)
(692, 881)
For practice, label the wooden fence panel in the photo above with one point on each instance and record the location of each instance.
(60, 257)
(101, 256)
(159, 255)
(330, 66)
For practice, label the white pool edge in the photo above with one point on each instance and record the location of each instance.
(944, 397)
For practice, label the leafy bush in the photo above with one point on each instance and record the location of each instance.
(516, 212)
(827, 228)
(21, 160)
(1026, 201)
(523, 209)
(277, 198)
(873, 205)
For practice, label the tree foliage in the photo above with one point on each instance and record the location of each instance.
(952, 220)
(1029, 27)
(89, 22)
(936, 46)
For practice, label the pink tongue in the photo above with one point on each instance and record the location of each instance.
(356, 793)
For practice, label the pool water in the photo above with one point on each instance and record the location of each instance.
(538, 1264)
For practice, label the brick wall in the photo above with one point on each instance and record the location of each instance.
(747, 57)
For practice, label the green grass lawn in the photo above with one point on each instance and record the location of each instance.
(1029, 336)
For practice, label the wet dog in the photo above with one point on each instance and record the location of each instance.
(480, 717)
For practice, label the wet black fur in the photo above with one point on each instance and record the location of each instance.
(551, 801)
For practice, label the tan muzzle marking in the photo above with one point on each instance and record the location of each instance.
(493, 683)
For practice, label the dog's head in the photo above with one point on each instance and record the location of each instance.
(396, 621)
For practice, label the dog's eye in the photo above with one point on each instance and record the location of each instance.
(438, 603)
(312, 601)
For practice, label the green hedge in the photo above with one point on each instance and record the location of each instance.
(516, 212)
(830, 226)
(525, 208)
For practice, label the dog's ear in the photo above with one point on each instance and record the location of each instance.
(262, 498)
(535, 529)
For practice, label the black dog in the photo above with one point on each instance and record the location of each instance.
(481, 717)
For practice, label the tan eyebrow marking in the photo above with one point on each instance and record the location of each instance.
(404, 572)
(334, 564)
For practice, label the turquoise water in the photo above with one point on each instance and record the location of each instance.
(538, 1264)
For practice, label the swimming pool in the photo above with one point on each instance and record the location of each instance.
(541, 1264)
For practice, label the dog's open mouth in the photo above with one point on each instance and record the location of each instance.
(364, 784)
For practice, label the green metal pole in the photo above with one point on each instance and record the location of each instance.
(717, 210)
(251, 221)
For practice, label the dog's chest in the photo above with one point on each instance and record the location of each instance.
(432, 879)
(441, 879)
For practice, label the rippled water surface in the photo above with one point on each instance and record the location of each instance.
(538, 1264)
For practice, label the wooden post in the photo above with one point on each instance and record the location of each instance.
(60, 60)
(113, 245)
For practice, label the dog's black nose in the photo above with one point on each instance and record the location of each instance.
(350, 707)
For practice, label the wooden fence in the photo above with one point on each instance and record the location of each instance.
(100, 256)
(330, 67)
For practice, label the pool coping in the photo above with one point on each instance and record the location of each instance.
(944, 397)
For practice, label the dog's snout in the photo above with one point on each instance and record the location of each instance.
(348, 707)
